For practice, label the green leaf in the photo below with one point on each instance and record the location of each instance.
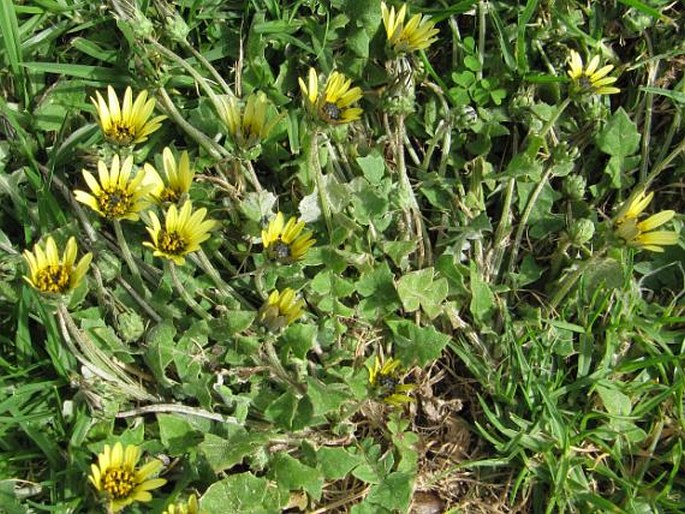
(181, 434)
(418, 289)
(482, 303)
(224, 453)
(394, 492)
(620, 136)
(373, 166)
(257, 205)
(299, 338)
(291, 474)
(243, 493)
(231, 323)
(414, 344)
(326, 398)
(336, 463)
(378, 289)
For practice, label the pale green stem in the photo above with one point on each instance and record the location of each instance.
(203, 60)
(502, 228)
(128, 257)
(219, 282)
(278, 369)
(251, 175)
(567, 283)
(658, 168)
(187, 298)
(315, 165)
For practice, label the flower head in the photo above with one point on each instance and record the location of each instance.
(251, 126)
(179, 177)
(385, 378)
(286, 242)
(187, 507)
(641, 234)
(126, 124)
(117, 195)
(333, 105)
(116, 476)
(50, 274)
(590, 79)
(280, 310)
(418, 34)
(183, 233)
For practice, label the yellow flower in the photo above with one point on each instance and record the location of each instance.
(126, 124)
(116, 476)
(590, 79)
(251, 126)
(179, 177)
(333, 106)
(183, 233)
(418, 34)
(50, 274)
(641, 234)
(280, 310)
(384, 378)
(287, 242)
(188, 507)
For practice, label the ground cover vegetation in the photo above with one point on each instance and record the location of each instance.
(341, 256)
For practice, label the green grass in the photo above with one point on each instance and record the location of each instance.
(465, 225)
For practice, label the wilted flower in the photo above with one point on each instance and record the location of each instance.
(641, 234)
(385, 379)
(187, 507)
(50, 274)
(590, 79)
(418, 34)
(286, 242)
(116, 476)
(128, 123)
(183, 233)
(333, 105)
(251, 126)
(179, 177)
(280, 310)
(117, 195)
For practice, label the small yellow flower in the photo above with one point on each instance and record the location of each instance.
(280, 310)
(418, 34)
(251, 126)
(641, 234)
(50, 274)
(183, 233)
(591, 79)
(179, 177)
(126, 124)
(286, 242)
(187, 507)
(333, 106)
(116, 476)
(117, 195)
(385, 377)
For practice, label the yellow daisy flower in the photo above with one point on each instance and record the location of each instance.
(384, 378)
(252, 125)
(50, 274)
(179, 177)
(590, 79)
(116, 476)
(280, 310)
(183, 233)
(187, 507)
(286, 242)
(117, 195)
(333, 105)
(641, 234)
(126, 124)
(418, 34)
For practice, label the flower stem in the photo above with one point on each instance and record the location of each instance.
(219, 282)
(315, 165)
(567, 284)
(278, 369)
(128, 257)
(180, 289)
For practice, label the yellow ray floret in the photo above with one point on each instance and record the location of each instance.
(286, 242)
(120, 481)
(334, 104)
(418, 34)
(183, 232)
(50, 274)
(178, 177)
(188, 507)
(590, 79)
(385, 380)
(641, 234)
(250, 124)
(280, 310)
(117, 193)
(128, 123)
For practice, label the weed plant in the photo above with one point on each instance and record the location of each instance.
(342, 256)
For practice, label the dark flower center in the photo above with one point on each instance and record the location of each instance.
(52, 279)
(331, 111)
(118, 482)
(121, 133)
(171, 243)
(115, 203)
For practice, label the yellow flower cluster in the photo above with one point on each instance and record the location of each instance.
(385, 380)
